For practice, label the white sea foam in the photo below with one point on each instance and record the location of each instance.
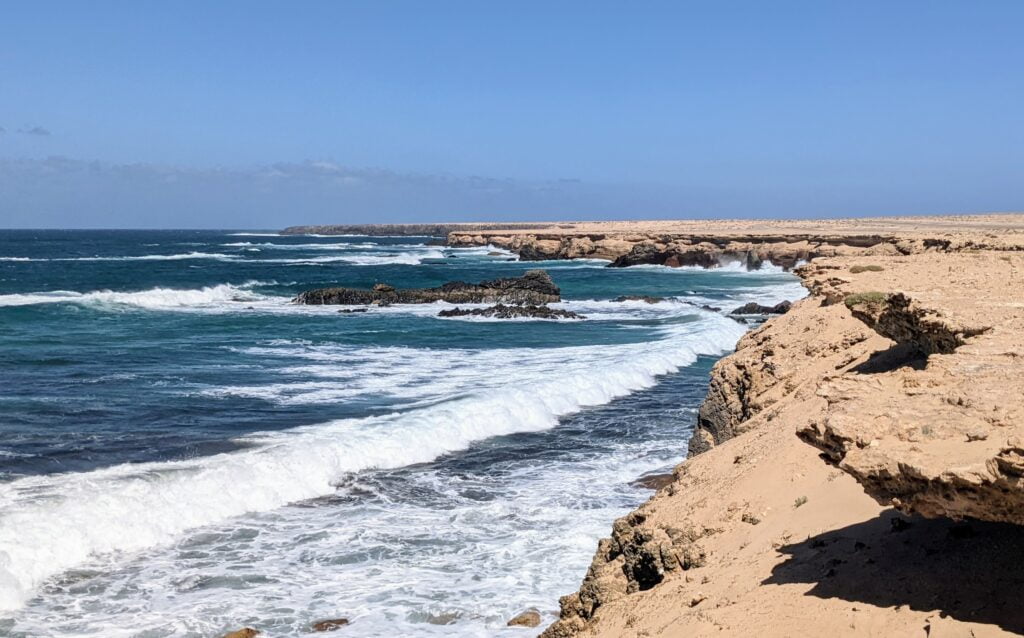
(49, 524)
(175, 257)
(153, 299)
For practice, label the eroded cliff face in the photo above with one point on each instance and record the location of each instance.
(781, 359)
(709, 244)
(935, 424)
(905, 371)
(676, 250)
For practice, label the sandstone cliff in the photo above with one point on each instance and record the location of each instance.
(906, 369)
(782, 243)
(404, 230)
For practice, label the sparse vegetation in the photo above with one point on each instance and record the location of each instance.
(865, 297)
(800, 501)
(868, 268)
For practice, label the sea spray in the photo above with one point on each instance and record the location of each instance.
(52, 523)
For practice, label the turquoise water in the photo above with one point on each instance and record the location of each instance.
(183, 451)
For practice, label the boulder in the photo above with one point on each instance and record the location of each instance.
(529, 618)
(246, 632)
(329, 625)
(534, 287)
(757, 309)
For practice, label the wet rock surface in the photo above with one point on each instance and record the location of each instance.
(528, 618)
(534, 287)
(329, 625)
(645, 298)
(502, 311)
(753, 308)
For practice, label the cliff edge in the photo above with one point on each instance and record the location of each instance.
(905, 373)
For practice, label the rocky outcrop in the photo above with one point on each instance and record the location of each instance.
(535, 287)
(676, 250)
(908, 377)
(754, 308)
(644, 298)
(935, 426)
(501, 311)
(751, 243)
(777, 362)
(528, 618)
(637, 557)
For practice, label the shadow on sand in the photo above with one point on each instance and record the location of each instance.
(971, 572)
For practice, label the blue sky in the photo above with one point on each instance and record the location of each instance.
(264, 114)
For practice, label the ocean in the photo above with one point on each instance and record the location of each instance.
(184, 452)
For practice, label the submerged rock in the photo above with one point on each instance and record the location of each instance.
(329, 625)
(647, 298)
(246, 632)
(534, 287)
(757, 309)
(529, 618)
(501, 311)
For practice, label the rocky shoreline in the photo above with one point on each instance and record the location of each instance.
(857, 466)
(535, 288)
(903, 372)
(710, 244)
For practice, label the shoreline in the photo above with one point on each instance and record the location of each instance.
(757, 534)
(839, 448)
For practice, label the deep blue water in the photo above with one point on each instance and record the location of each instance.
(177, 436)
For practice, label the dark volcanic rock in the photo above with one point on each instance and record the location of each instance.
(647, 298)
(501, 311)
(757, 309)
(534, 287)
(649, 253)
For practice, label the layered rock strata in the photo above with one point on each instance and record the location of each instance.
(752, 243)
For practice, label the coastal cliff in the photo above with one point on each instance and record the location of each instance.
(835, 459)
(712, 243)
(404, 230)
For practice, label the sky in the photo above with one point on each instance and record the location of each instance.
(267, 114)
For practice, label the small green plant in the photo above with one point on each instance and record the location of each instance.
(868, 268)
(800, 501)
(1006, 258)
(865, 297)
